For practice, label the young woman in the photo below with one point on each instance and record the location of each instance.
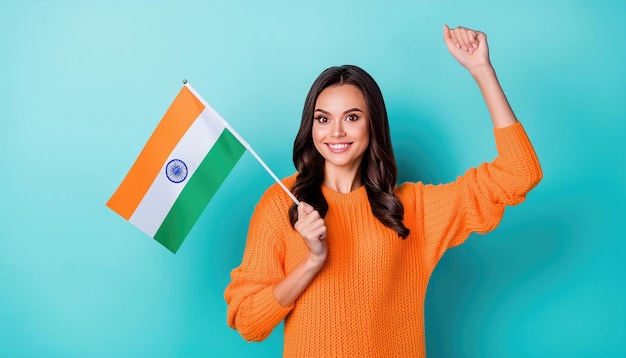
(347, 269)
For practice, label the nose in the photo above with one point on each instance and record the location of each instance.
(338, 129)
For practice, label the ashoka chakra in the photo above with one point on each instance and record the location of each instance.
(176, 170)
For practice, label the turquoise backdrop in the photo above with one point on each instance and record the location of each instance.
(84, 83)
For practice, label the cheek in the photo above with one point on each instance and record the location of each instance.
(317, 135)
(365, 134)
(366, 143)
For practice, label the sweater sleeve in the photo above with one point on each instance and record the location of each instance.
(252, 307)
(475, 202)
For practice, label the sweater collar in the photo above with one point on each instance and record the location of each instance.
(358, 196)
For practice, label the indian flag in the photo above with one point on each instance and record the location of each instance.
(186, 159)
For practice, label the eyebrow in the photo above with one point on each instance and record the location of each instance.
(347, 111)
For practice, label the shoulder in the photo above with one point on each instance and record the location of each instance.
(413, 194)
(274, 200)
(276, 192)
(408, 188)
(409, 193)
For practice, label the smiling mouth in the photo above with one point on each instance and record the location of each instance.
(338, 146)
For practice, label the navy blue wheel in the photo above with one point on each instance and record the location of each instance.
(176, 170)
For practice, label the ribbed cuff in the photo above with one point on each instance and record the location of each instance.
(515, 149)
(269, 311)
(512, 142)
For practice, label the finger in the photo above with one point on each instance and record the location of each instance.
(304, 225)
(313, 225)
(473, 40)
(447, 38)
(459, 39)
(454, 39)
(319, 233)
(322, 235)
(465, 41)
(314, 232)
(446, 33)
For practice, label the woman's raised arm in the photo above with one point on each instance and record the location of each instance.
(470, 49)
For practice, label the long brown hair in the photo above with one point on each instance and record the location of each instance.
(378, 166)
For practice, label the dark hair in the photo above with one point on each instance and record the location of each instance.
(378, 165)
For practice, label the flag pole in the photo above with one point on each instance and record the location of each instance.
(242, 141)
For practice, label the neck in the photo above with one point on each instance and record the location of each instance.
(342, 180)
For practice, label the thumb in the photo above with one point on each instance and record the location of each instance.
(482, 38)
(482, 42)
(304, 209)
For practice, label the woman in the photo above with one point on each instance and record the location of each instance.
(347, 269)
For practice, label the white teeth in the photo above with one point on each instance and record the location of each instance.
(338, 146)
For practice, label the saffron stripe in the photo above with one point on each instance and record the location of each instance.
(175, 123)
(199, 190)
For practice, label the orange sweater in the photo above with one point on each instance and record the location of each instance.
(368, 299)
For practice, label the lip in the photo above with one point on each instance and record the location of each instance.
(338, 147)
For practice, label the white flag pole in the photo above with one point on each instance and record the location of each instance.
(242, 141)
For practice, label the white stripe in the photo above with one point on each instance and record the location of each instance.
(191, 149)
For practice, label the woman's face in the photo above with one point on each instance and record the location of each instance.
(341, 126)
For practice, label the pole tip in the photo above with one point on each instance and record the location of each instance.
(184, 82)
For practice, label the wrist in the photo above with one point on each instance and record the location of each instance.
(314, 262)
(482, 72)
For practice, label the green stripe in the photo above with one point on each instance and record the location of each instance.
(201, 187)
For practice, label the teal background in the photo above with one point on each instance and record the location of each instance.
(84, 83)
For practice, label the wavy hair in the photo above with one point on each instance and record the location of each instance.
(378, 166)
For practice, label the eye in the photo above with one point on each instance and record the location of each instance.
(352, 117)
(322, 119)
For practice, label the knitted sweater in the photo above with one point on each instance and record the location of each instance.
(368, 298)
